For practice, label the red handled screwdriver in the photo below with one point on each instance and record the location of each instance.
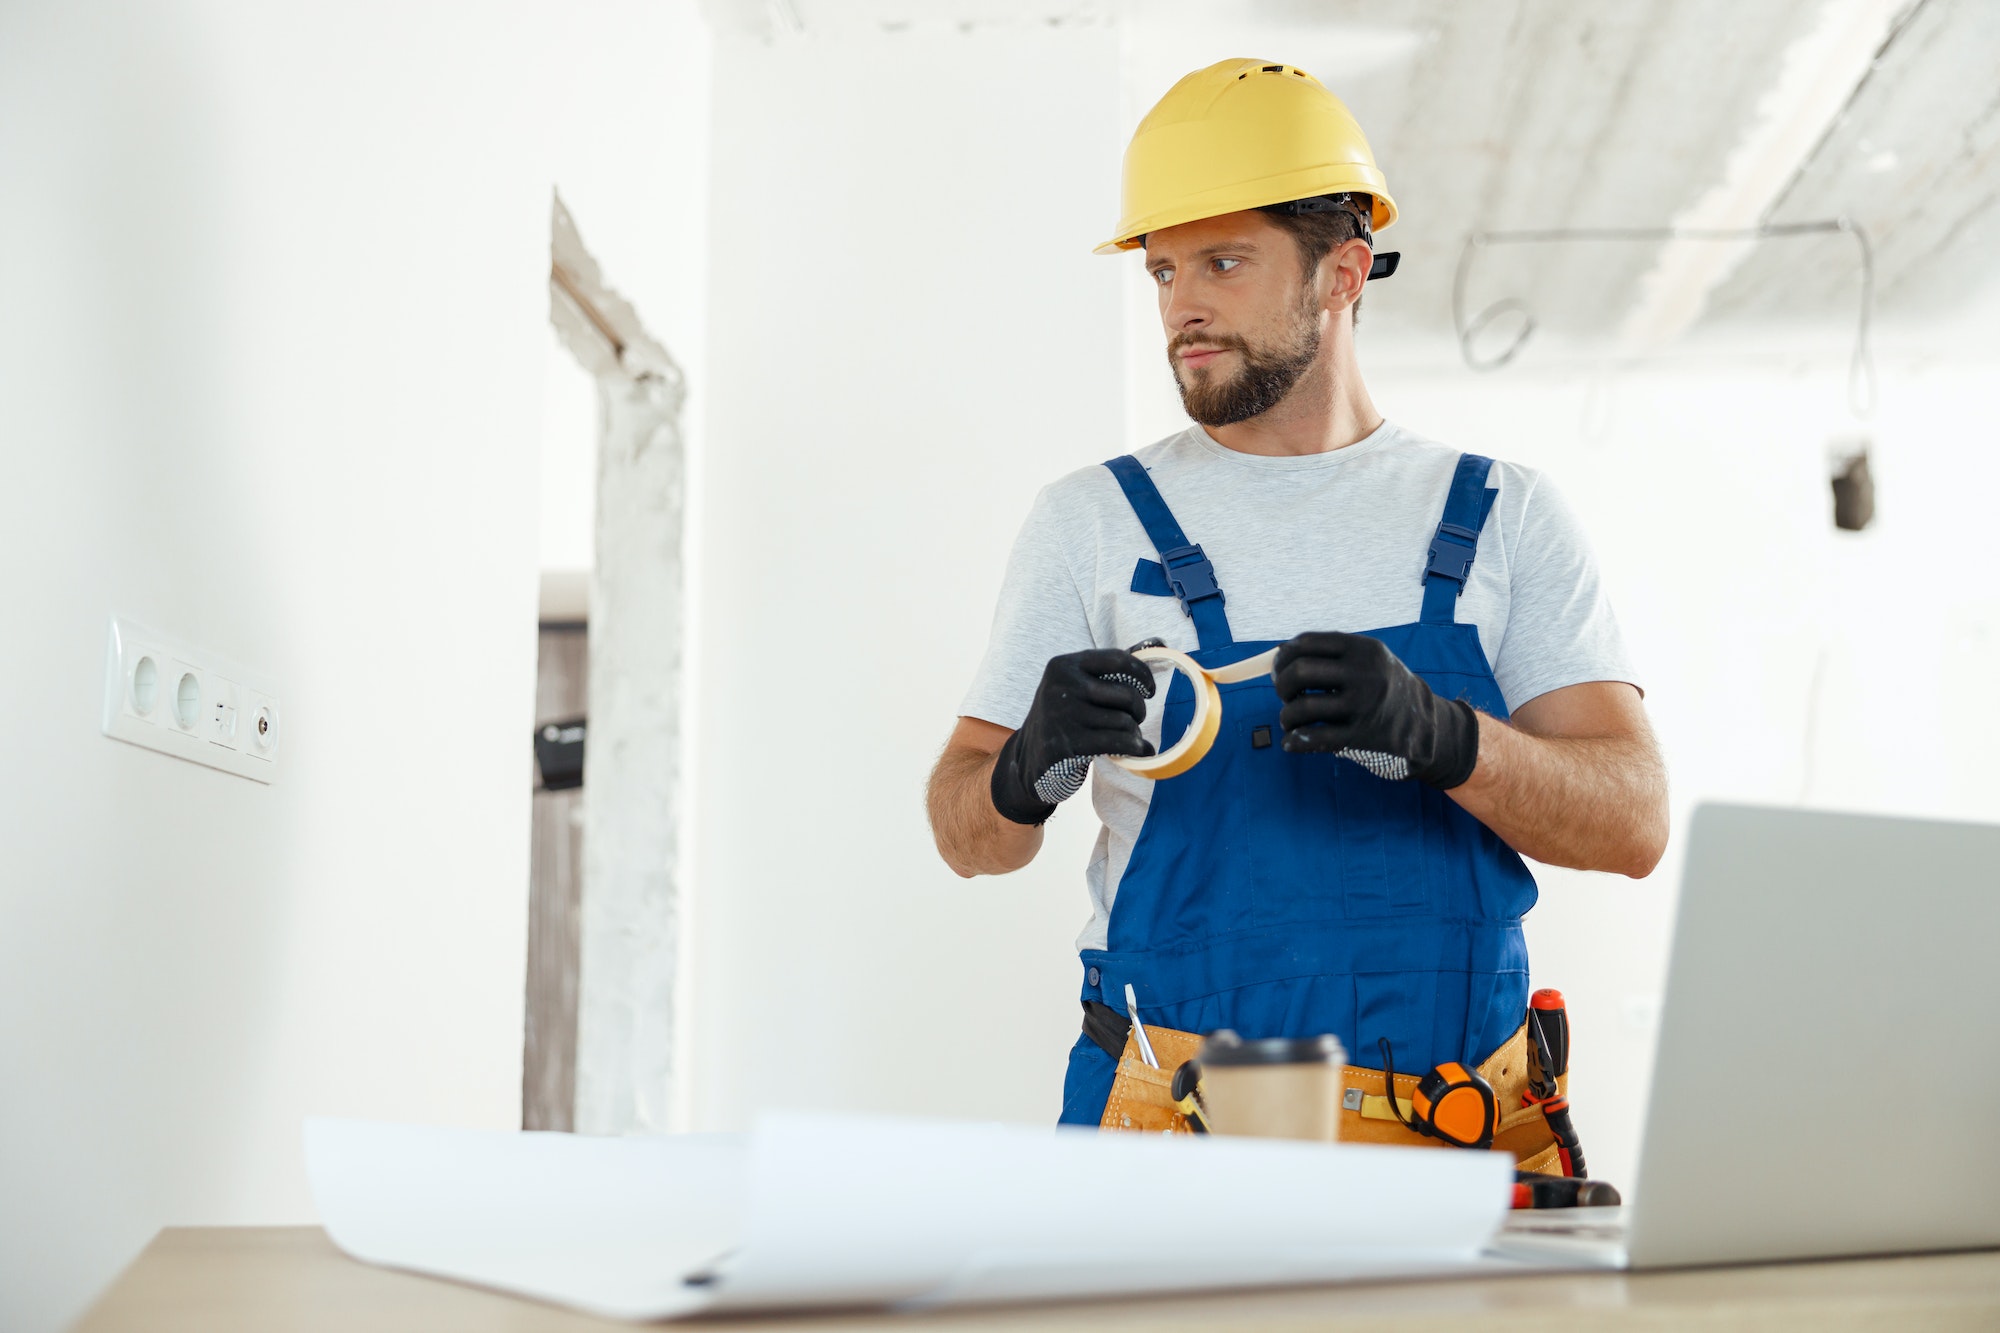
(1548, 1060)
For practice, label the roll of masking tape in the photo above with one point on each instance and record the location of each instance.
(1206, 724)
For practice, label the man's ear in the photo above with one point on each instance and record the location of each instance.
(1343, 273)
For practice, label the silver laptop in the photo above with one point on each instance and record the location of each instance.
(1828, 1074)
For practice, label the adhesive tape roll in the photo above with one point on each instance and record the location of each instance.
(1206, 724)
(1201, 731)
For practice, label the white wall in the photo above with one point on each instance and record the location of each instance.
(896, 371)
(629, 124)
(273, 348)
(625, 89)
(273, 353)
(909, 335)
(883, 406)
(567, 496)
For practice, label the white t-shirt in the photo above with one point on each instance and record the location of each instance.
(1333, 541)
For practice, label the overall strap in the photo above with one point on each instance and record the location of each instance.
(1457, 540)
(1189, 572)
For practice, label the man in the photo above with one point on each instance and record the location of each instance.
(1450, 691)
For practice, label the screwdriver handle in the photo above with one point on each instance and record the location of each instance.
(1548, 1020)
(1548, 1060)
(1533, 1190)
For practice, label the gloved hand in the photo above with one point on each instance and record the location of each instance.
(1347, 694)
(1088, 703)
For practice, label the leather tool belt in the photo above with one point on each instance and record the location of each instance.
(1142, 1098)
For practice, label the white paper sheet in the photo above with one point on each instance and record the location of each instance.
(819, 1210)
(607, 1225)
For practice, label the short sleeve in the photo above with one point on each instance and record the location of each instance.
(1040, 615)
(1561, 629)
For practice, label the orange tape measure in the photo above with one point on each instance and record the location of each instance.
(1454, 1104)
(1451, 1103)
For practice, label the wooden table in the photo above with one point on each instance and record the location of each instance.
(268, 1279)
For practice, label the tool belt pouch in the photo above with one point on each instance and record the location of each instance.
(1142, 1100)
(1522, 1129)
(1141, 1096)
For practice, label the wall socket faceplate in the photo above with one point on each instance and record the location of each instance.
(190, 704)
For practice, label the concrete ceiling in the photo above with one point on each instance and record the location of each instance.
(1915, 159)
(1504, 114)
(1511, 114)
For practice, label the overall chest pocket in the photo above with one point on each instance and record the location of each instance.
(1381, 834)
(1325, 839)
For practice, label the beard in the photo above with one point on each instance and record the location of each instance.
(1267, 375)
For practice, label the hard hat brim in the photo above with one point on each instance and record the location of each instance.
(1132, 235)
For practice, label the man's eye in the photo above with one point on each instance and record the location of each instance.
(1224, 265)
(1163, 276)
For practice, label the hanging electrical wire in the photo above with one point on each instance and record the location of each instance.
(1861, 384)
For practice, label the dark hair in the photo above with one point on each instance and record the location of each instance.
(1320, 225)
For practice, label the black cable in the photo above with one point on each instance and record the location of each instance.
(1389, 1085)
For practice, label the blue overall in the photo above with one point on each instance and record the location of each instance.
(1287, 895)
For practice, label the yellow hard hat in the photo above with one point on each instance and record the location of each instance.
(1242, 134)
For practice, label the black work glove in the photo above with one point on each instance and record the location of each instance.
(1088, 703)
(1347, 694)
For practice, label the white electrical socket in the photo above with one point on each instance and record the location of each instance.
(185, 693)
(191, 704)
(257, 726)
(142, 681)
(220, 721)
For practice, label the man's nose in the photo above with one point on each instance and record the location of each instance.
(1183, 312)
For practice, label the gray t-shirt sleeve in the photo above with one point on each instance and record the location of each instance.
(1040, 615)
(1560, 626)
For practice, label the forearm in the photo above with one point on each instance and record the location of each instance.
(973, 837)
(1585, 802)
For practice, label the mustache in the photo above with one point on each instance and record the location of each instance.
(1221, 342)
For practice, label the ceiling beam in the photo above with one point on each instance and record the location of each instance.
(1815, 81)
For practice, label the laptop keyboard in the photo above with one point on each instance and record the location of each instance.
(1605, 1224)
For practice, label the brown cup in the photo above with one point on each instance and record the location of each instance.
(1280, 1088)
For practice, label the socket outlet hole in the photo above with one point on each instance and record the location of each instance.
(187, 700)
(264, 729)
(145, 686)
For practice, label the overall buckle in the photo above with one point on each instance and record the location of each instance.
(1451, 553)
(1190, 574)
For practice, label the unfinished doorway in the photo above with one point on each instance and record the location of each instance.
(599, 1050)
